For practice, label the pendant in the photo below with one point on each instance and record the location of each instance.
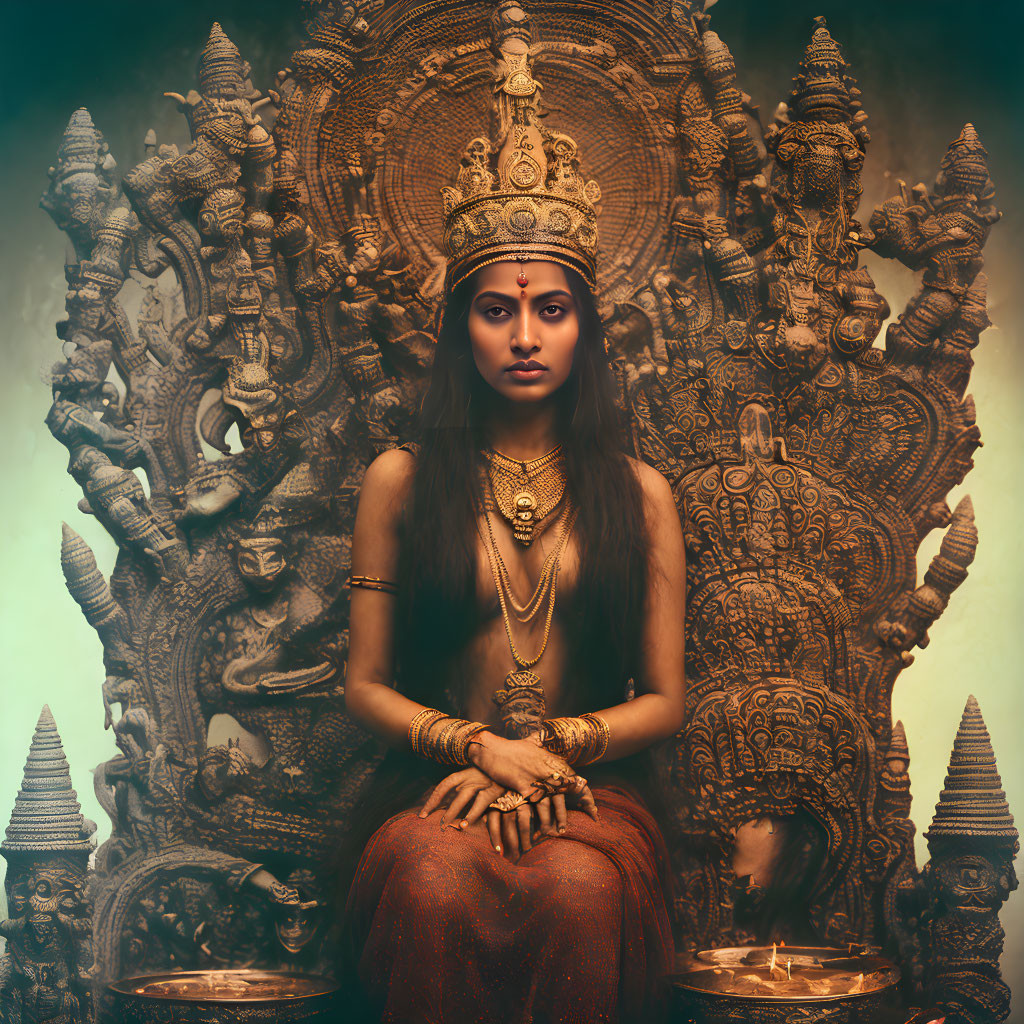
(524, 507)
(521, 704)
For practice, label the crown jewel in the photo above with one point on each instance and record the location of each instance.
(523, 197)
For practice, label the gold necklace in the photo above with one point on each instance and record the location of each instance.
(525, 493)
(546, 588)
(548, 573)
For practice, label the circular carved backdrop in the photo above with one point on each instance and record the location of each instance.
(433, 76)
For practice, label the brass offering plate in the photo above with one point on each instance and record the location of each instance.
(225, 986)
(816, 974)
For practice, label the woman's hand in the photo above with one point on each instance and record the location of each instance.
(514, 832)
(471, 788)
(517, 764)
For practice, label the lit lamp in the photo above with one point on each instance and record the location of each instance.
(768, 984)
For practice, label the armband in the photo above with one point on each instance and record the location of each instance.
(580, 740)
(373, 583)
(438, 736)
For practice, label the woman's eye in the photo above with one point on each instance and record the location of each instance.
(496, 312)
(552, 310)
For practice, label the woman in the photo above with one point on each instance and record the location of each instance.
(509, 580)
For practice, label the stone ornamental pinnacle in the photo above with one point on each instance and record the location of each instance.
(46, 968)
(47, 816)
(972, 801)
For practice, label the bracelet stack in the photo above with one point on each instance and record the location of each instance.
(438, 736)
(580, 740)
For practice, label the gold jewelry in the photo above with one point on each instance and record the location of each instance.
(525, 492)
(508, 801)
(527, 200)
(580, 740)
(545, 581)
(442, 738)
(521, 704)
(373, 583)
(500, 574)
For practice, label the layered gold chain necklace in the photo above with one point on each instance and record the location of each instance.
(543, 593)
(525, 493)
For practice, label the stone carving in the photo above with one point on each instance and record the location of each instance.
(46, 969)
(286, 266)
(972, 842)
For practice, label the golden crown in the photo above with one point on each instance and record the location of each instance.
(523, 198)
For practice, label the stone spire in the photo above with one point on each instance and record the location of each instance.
(899, 749)
(80, 147)
(823, 90)
(972, 802)
(222, 72)
(47, 817)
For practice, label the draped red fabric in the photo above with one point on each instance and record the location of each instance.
(576, 932)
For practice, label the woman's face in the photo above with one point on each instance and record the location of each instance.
(523, 335)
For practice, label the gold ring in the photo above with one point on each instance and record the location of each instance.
(508, 801)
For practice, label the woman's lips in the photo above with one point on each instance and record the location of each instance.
(526, 370)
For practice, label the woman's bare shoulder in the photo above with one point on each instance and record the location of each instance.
(655, 487)
(388, 479)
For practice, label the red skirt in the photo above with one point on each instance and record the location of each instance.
(577, 932)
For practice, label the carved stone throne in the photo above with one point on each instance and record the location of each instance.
(266, 299)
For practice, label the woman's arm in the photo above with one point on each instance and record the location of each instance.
(370, 696)
(657, 710)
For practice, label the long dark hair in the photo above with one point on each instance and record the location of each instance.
(438, 612)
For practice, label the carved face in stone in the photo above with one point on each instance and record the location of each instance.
(295, 927)
(220, 216)
(757, 849)
(261, 560)
(222, 770)
(971, 882)
(820, 161)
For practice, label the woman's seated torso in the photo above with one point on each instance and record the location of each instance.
(487, 659)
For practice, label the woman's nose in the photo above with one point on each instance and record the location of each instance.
(524, 339)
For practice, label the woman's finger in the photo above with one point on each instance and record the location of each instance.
(547, 828)
(561, 818)
(462, 797)
(440, 791)
(509, 836)
(480, 804)
(587, 802)
(494, 829)
(523, 816)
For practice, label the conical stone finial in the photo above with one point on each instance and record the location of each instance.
(222, 72)
(823, 90)
(80, 146)
(47, 816)
(899, 749)
(84, 580)
(972, 802)
(964, 168)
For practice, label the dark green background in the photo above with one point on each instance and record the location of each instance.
(925, 69)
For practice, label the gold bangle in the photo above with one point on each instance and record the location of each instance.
(438, 736)
(373, 583)
(582, 740)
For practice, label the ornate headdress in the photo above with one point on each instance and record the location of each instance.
(522, 197)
